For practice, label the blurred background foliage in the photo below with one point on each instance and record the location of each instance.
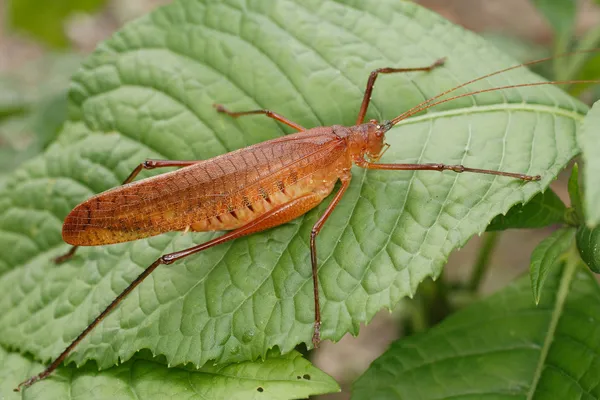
(43, 43)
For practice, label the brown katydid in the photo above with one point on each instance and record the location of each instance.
(206, 195)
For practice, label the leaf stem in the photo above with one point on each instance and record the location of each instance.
(490, 240)
(429, 307)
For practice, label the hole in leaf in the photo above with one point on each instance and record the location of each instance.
(260, 389)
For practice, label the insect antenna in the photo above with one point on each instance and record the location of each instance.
(418, 109)
(431, 102)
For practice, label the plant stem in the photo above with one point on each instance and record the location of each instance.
(490, 240)
(429, 307)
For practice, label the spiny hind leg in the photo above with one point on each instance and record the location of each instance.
(220, 108)
(373, 77)
(148, 164)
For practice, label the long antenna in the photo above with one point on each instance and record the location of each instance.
(424, 106)
(430, 102)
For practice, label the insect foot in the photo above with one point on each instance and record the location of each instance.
(316, 339)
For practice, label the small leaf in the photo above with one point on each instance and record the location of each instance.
(542, 210)
(283, 377)
(545, 257)
(589, 141)
(588, 243)
(503, 347)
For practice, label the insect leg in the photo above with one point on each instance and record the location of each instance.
(274, 217)
(148, 164)
(442, 167)
(220, 108)
(373, 76)
(151, 164)
(313, 254)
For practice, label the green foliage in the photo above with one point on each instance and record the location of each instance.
(147, 93)
(280, 377)
(503, 347)
(542, 210)
(33, 107)
(589, 141)
(45, 20)
(546, 256)
(583, 65)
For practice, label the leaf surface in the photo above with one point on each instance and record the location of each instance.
(279, 377)
(504, 347)
(148, 91)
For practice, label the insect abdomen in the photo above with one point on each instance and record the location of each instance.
(218, 194)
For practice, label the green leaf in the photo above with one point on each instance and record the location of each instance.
(148, 92)
(546, 256)
(589, 141)
(503, 347)
(542, 210)
(45, 20)
(283, 377)
(588, 244)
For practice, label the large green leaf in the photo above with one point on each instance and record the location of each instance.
(502, 348)
(147, 93)
(283, 377)
(589, 141)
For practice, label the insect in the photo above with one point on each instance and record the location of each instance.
(248, 190)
